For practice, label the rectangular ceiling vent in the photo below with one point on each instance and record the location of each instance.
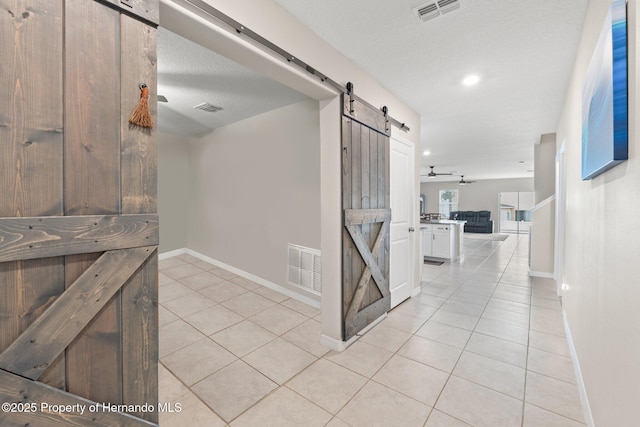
(434, 9)
(426, 11)
(448, 5)
(209, 108)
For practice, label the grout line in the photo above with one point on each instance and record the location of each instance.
(462, 276)
(472, 332)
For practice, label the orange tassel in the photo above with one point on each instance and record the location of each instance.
(141, 115)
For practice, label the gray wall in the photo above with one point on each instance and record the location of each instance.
(255, 186)
(173, 190)
(602, 245)
(545, 166)
(479, 196)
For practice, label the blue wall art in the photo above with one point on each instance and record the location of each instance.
(605, 132)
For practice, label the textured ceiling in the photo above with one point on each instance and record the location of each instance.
(523, 51)
(189, 74)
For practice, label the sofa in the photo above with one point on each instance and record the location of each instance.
(477, 221)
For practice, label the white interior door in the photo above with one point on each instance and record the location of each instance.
(402, 233)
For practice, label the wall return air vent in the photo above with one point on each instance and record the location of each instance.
(433, 9)
(209, 108)
(304, 268)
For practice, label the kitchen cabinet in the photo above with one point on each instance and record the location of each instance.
(442, 239)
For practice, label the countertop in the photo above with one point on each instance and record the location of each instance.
(443, 221)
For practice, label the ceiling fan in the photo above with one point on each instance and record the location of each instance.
(463, 182)
(432, 174)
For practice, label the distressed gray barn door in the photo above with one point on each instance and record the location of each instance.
(78, 217)
(367, 214)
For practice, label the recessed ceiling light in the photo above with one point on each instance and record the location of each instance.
(521, 162)
(471, 80)
(426, 152)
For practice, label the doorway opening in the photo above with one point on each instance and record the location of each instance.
(238, 183)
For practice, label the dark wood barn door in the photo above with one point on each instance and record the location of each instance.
(78, 217)
(367, 214)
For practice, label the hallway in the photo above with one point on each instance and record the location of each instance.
(481, 345)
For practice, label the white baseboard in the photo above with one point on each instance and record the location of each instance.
(582, 391)
(165, 255)
(541, 274)
(253, 278)
(332, 343)
(336, 345)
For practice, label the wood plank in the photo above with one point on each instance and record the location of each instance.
(31, 174)
(373, 172)
(147, 10)
(366, 216)
(347, 247)
(373, 188)
(381, 187)
(139, 152)
(31, 119)
(140, 338)
(38, 346)
(357, 265)
(139, 195)
(360, 111)
(374, 229)
(383, 158)
(92, 179)
(40, 237)
(92, 109)
(15, 389)
(365, 170)
(346, 105)
(356, 167)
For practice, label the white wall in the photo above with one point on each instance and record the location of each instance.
(602, 242)
(479, 196)
(255, 187)
(544, 165)
(173, 190)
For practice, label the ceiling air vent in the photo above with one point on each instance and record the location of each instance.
(427, 11)
(448, 5)
(434, 9)
(209, 108)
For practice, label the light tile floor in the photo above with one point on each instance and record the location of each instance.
(481, 345)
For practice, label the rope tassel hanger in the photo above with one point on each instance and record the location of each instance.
(141, 116)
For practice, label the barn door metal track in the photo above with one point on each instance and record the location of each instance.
(241, 29)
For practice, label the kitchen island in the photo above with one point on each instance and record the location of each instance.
(442, 239)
